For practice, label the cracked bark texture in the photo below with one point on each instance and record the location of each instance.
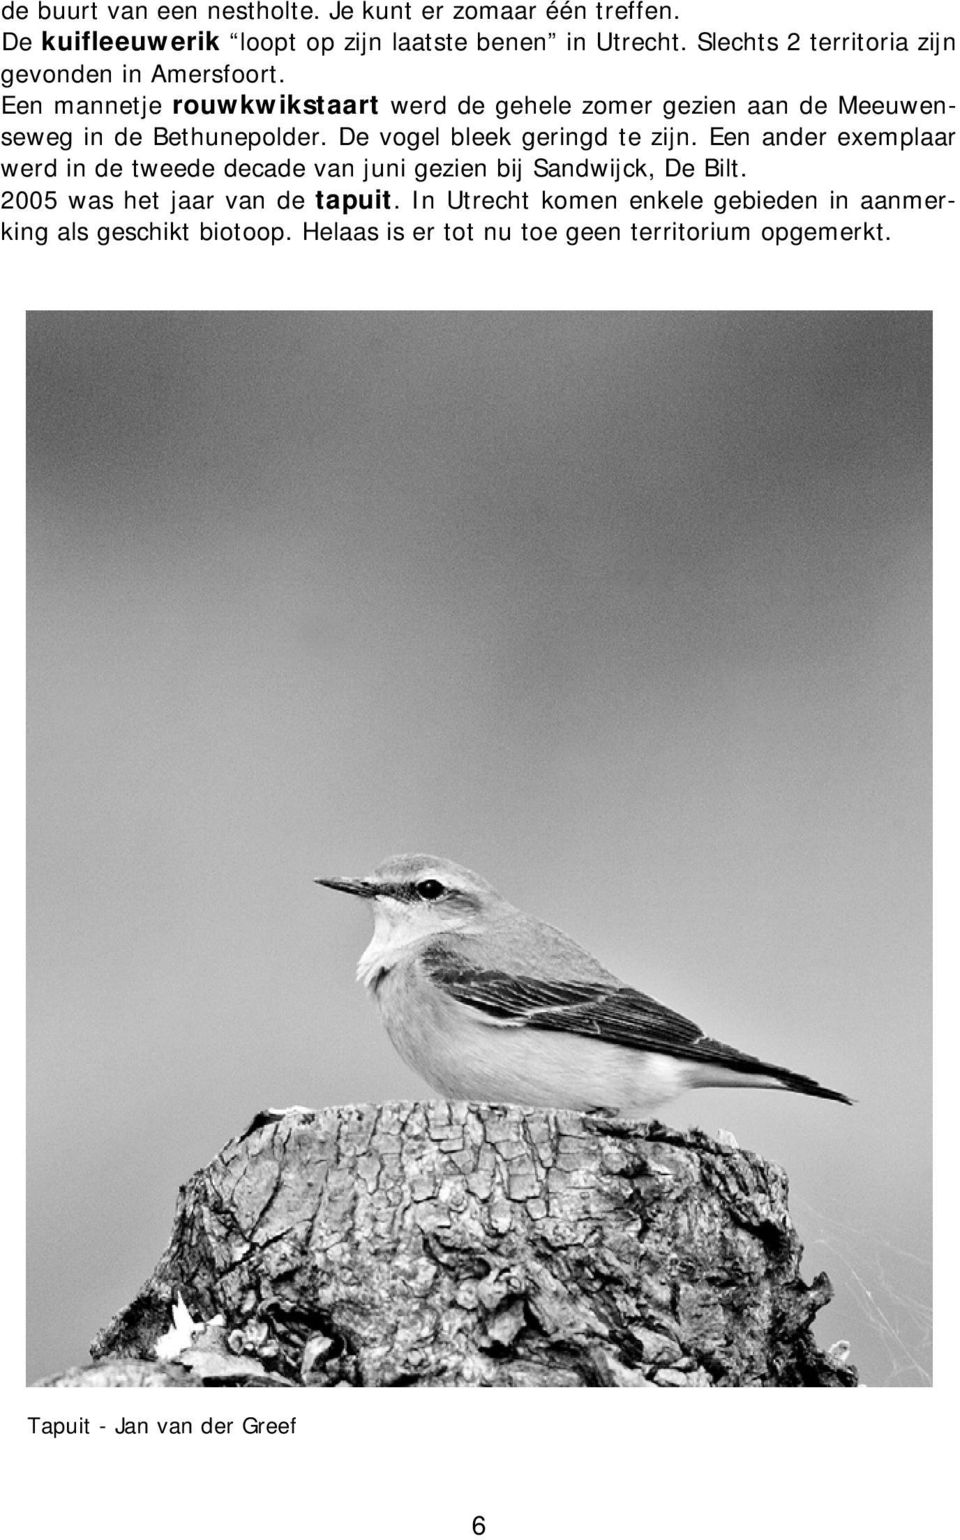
(459, 1244)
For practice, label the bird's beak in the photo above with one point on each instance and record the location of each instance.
(359, 886)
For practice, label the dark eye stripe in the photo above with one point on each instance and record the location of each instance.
(407, 891)
(412, 892)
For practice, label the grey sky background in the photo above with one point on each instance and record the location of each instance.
(629, 612)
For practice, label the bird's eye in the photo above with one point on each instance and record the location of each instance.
(431, 888)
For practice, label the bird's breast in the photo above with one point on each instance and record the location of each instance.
(420, 1025)
(467, 1058)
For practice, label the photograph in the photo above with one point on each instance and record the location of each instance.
(479, 848)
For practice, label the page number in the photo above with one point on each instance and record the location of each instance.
(479, 1525)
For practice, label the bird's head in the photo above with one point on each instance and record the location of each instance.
(415, 899)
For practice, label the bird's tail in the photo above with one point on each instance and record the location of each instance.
(747, 1071)
(717, 1064)
(807, 1087)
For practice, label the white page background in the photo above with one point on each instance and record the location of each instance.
(547, 1464)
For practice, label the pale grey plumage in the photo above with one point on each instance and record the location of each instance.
(489, 1004)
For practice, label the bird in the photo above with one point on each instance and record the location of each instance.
(488, 1004)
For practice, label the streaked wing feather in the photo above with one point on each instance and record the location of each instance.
(619, 1015)
(610, 1014)
(509, 997)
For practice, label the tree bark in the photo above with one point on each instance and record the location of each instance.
(459, 1244)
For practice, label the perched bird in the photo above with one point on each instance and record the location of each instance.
(488, 1004)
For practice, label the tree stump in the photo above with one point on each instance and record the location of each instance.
(460, 1244)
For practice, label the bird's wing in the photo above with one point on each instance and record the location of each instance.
(611, 1013)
